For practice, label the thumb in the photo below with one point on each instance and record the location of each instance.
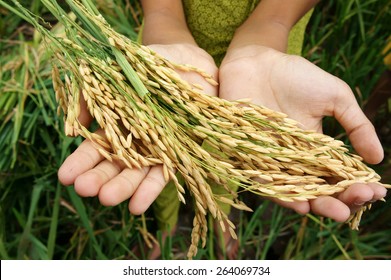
(84, 117)
(360, 130)
(191, 55)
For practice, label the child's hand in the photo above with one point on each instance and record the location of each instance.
(93, 175)
(306, 93)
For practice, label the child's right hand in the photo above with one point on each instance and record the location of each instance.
(93, 175)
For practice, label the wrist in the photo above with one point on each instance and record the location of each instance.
(269, 34)
(250, 52)
(271, 22)
(159, 28)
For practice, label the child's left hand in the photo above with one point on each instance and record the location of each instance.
(306, 93)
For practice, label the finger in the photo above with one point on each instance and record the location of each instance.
(148, 191)
(82, 159)
(301, 207)
(379, 191)
(359, 194)
(122, 186)
(90, 182)
(360, 130)
(356, 194)
(330, 207)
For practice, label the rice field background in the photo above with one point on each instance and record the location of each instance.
(41, 219)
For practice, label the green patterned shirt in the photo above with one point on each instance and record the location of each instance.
(213, 24)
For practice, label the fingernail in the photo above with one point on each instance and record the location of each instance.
(359, 203)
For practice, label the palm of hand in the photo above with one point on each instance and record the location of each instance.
(112, 182)
(284, 83)
(293, 85)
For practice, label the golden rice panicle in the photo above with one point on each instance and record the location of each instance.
(198, 233)
(59, 89)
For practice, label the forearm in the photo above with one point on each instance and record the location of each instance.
(164, 23)
(270, 23)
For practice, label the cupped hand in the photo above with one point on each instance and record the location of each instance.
(93, 175)
(306, 93)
